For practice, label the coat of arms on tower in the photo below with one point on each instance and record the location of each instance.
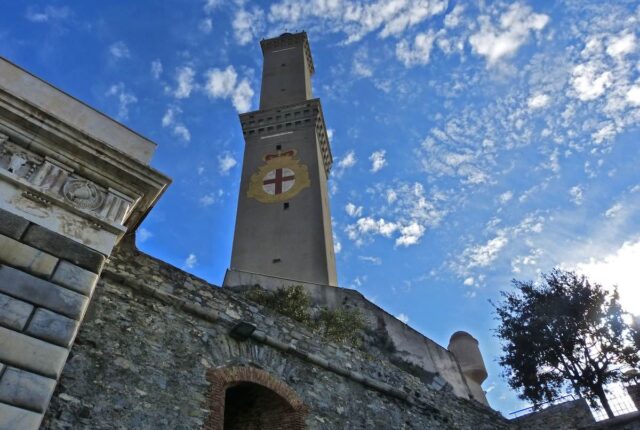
(279, 179)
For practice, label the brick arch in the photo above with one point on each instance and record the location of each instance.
(224, 378)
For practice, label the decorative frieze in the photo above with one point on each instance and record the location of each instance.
(49, 180)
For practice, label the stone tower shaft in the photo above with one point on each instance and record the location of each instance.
(283, 222)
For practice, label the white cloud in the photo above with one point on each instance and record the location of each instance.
(119, 50)
(224, 84)
(505, 197)
(349, 160)
(392, 196)
(614, 210)
(633, 95)
(512, 30)
(622, 45)
(453, 18)
(337, 246)
(356, 19)
(142, 234)
(378, 160)
(483, 255)
(211, 5)
(207, 199)
(373, 260)
(410, 234)
(225, 163)
(577, 194)
(403, 317)
(619, 268)
(360, 65)
(124, 97)
(156, 69)
(190, 261)
(469, 281)
(49, 13)
(206, 25)
(590, 81)
(353, 210)
(182, 132)
(169, 120)
(416, 53)
(247, 25)
(185, 77)
(538, 101)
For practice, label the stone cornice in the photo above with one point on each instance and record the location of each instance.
(31, 131)
(288, 118)
(287, 40)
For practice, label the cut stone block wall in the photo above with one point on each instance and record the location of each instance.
(46, 284)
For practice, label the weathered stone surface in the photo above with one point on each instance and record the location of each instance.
(63, 247)
(25, 257)
(32, 354)
(12, 418)
(26, 390)
(75, 278)
(14, 313)
(52, 327)
(42, 293)
(12, 225)
(570, 415)
(142, 363)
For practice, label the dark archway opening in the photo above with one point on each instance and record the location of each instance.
(249, 406)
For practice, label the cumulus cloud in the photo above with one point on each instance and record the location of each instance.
(225, 163)
(247, 24)
(119, 50)
(349, 160)
(538, 101)
(124, 97)
(373, 260)
(353, 210)
(378, 160)
(185, 82)
(48, 14)
(619, 268)
(495, 41)
(410, 234)
(577, 194)
(614, 210)
(622, 45)
(156, 69)
(191, 261)
(224, 84)
(483, 255)
(355, 19)
(178, 129)
(416, 53)
(590, 81)
(206, 25)
(142, 234)
(506, 197)
(403, 317)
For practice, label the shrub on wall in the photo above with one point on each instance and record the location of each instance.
(339, 325)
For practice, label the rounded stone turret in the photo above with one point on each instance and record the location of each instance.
(465, 348)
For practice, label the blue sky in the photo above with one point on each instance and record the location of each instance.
(473, 142)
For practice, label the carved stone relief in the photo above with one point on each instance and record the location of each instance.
(55, 179)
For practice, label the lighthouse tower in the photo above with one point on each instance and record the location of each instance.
(283, 223)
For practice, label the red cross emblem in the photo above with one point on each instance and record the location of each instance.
(278, 181)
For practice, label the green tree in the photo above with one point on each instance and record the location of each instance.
(561, 334)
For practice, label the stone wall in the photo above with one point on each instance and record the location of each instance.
(153, 334)
(570, 415)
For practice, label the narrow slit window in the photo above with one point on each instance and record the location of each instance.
(285, 206)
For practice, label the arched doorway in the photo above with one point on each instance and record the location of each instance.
(246, 398)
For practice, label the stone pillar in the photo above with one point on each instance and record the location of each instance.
(72, 183)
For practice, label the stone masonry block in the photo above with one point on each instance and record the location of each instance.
(12, 225)
(42, 293)
(26, 390)
(31, 354)
(14, 313)
(63, 247)
(25, 257)
(52, 327)
(75, 278)
(12, 418)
